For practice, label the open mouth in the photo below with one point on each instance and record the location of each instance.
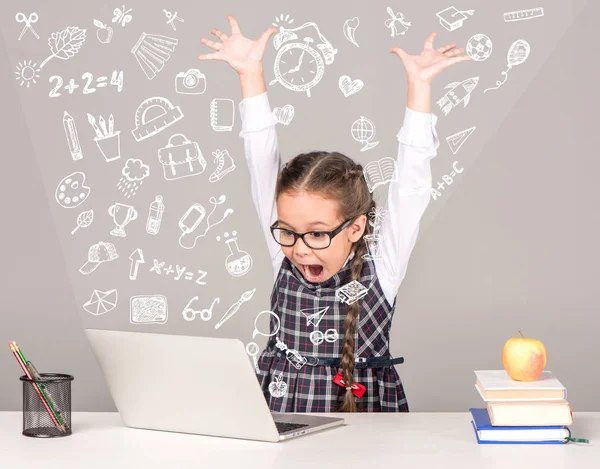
(313, 272)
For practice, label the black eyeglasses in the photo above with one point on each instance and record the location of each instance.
(313, 239)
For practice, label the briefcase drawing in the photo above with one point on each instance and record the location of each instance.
(181, 159)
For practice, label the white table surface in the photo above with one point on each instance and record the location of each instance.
(378, 440)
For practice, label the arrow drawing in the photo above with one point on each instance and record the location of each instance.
(137, 258)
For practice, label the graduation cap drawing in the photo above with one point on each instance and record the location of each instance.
(452, 19)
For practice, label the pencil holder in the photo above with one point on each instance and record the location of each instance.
(47, 405)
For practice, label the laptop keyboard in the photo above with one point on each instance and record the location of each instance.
(283, 427)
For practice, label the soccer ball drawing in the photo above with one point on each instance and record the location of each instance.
(479, 47)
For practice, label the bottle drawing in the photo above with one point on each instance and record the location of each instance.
(239, 262)
(155, 215)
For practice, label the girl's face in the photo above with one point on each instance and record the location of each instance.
(302, 212)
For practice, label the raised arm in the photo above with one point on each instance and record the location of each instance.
(410, 190)
(261, 147)
(264, 160)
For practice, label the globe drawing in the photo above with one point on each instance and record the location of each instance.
(479, 47)
(363, 131)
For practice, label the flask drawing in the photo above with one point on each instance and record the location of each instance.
(238, 262)
(155, 215)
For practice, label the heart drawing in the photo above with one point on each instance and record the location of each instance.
(349, 86)
(284, 115)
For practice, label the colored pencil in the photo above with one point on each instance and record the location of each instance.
(35, 375)
(41, 387)
(28, 374)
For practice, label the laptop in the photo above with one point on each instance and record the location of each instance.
(190, 384)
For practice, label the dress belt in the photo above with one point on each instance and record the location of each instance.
(360, 362)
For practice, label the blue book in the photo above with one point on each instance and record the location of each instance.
(487, 433)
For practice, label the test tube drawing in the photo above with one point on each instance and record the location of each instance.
(155, 215)
(72, 137)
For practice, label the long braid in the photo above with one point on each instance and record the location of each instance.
(353, 310)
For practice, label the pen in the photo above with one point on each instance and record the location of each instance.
(21, 363)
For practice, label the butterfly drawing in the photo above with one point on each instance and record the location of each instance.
(121, 15)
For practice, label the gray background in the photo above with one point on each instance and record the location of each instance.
(511, 243)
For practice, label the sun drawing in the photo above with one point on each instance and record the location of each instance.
(27, 72)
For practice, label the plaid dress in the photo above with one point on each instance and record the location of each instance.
(311, 388)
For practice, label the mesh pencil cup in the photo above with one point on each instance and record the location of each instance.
(47, 405)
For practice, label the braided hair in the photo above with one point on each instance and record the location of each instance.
(337, 177)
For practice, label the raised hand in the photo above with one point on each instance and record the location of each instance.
(425, 66)
(242, 54)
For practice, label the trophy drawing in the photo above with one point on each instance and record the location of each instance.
(121, 214)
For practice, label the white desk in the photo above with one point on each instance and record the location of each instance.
(367, 441)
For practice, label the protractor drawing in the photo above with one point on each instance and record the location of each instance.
(153, 115)
(456, 141)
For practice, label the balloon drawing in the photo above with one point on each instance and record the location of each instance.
(517, 54)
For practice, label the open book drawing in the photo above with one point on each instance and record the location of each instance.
(380, 172)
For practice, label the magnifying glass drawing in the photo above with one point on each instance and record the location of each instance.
(253, 350)
(256, 329)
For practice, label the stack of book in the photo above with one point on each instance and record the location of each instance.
(521, 411)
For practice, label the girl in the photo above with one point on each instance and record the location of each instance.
(329, 348)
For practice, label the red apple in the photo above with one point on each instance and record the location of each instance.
(524, 358)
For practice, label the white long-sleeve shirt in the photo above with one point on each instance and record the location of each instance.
(408, 192)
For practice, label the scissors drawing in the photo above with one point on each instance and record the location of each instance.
(21, 18)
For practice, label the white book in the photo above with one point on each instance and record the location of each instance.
(497, 385)
(518, 435)
(530, 413)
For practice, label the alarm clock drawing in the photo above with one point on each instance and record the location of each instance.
(299, 66)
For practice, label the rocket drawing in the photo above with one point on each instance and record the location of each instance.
(459, 92)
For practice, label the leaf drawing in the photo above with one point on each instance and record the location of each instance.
(84, 219)
(65, 44)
